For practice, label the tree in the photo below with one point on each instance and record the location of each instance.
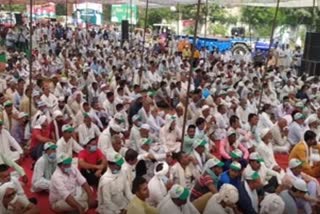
(61, 9)
(14, 7)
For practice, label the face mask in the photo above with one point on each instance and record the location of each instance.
(115, 171)
(52, 157)
(93, 148)
(67, 170)
(164, 179)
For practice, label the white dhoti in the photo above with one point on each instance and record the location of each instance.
(81, 197)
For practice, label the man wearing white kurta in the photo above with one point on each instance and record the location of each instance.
(87, 130)
(158, 184)
(6, 142)
(170, 134)
(44, 168)
(114, 193)
(67, 144)
(177, 202)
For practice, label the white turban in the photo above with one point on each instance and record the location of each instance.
(56, 114)
(228, 193)
(272, 203)
(164, 171)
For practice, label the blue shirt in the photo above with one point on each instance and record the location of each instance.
(226, 179)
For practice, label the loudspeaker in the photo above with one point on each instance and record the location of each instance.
(310, 63)
(312, 47)
(125, 30)
(18, 18)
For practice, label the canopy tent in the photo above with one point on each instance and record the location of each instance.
(168, 3)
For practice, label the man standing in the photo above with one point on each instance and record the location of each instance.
(69, 191)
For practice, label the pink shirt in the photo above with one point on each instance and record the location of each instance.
(62, 185)
(225, 149)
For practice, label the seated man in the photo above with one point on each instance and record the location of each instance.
(114, 193)
(159, 184)
(92, 163)
(231, 176)
(280, 136)
(67, 144)
(208, 181)
(7, 143)
(69, 191)
(177, 202)
(294, 172)
(138, 203)
(44, 168)
(248, 195)
(129, 167)
(6, 177)
(11, 202)
(270, 179)
(301, 152)
(295, 198)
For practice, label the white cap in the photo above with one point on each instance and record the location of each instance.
(311, 119)
(214, 162)
(300, 185)
(264, 132)
(179, 192)
(293, 163)
(231, 132)
(255, 156)
(56, 114)
(41, 104)
(67, 128)
(49, 145)
(116, 158)
(205, 107)
(298, 116)
(115, 127)
(103, 86)
(251, 175)
(145, 126)
(135, 117)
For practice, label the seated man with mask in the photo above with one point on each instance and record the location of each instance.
(92, 163)
(44, 168)
(114, 193)
(69, 191)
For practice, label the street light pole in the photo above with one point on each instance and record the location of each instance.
(30, 60)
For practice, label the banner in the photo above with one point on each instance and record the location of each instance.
(123, 12)
(47, 10)
(90, 13)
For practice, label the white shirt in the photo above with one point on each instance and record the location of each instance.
(114, 193)
(67, 148)
(85, 133)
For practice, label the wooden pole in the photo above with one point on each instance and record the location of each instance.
(206, 22)
(145, 29)
(314, 11)
(195, 33)
(66, 14)
(268, 53)
(30, 61)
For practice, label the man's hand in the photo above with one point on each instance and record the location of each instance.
(98, 173)
(276, 168)
(92, 202)
(151, 157)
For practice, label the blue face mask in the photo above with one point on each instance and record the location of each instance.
(164, 179)
(115, 171)
(52, 157)
(93, 148)
(67, 170)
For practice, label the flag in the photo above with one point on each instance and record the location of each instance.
(3, 61)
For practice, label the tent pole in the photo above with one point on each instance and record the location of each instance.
(206, 22)
(66, 14)
(144, 32)
(313, 18)
(190, 72)
(274, 22)
(30, 61)
(131, 26)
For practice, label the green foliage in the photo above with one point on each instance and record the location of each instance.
(218, 29)
(61, 9)
(260, 19)
(107, 12)
(155, 15)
